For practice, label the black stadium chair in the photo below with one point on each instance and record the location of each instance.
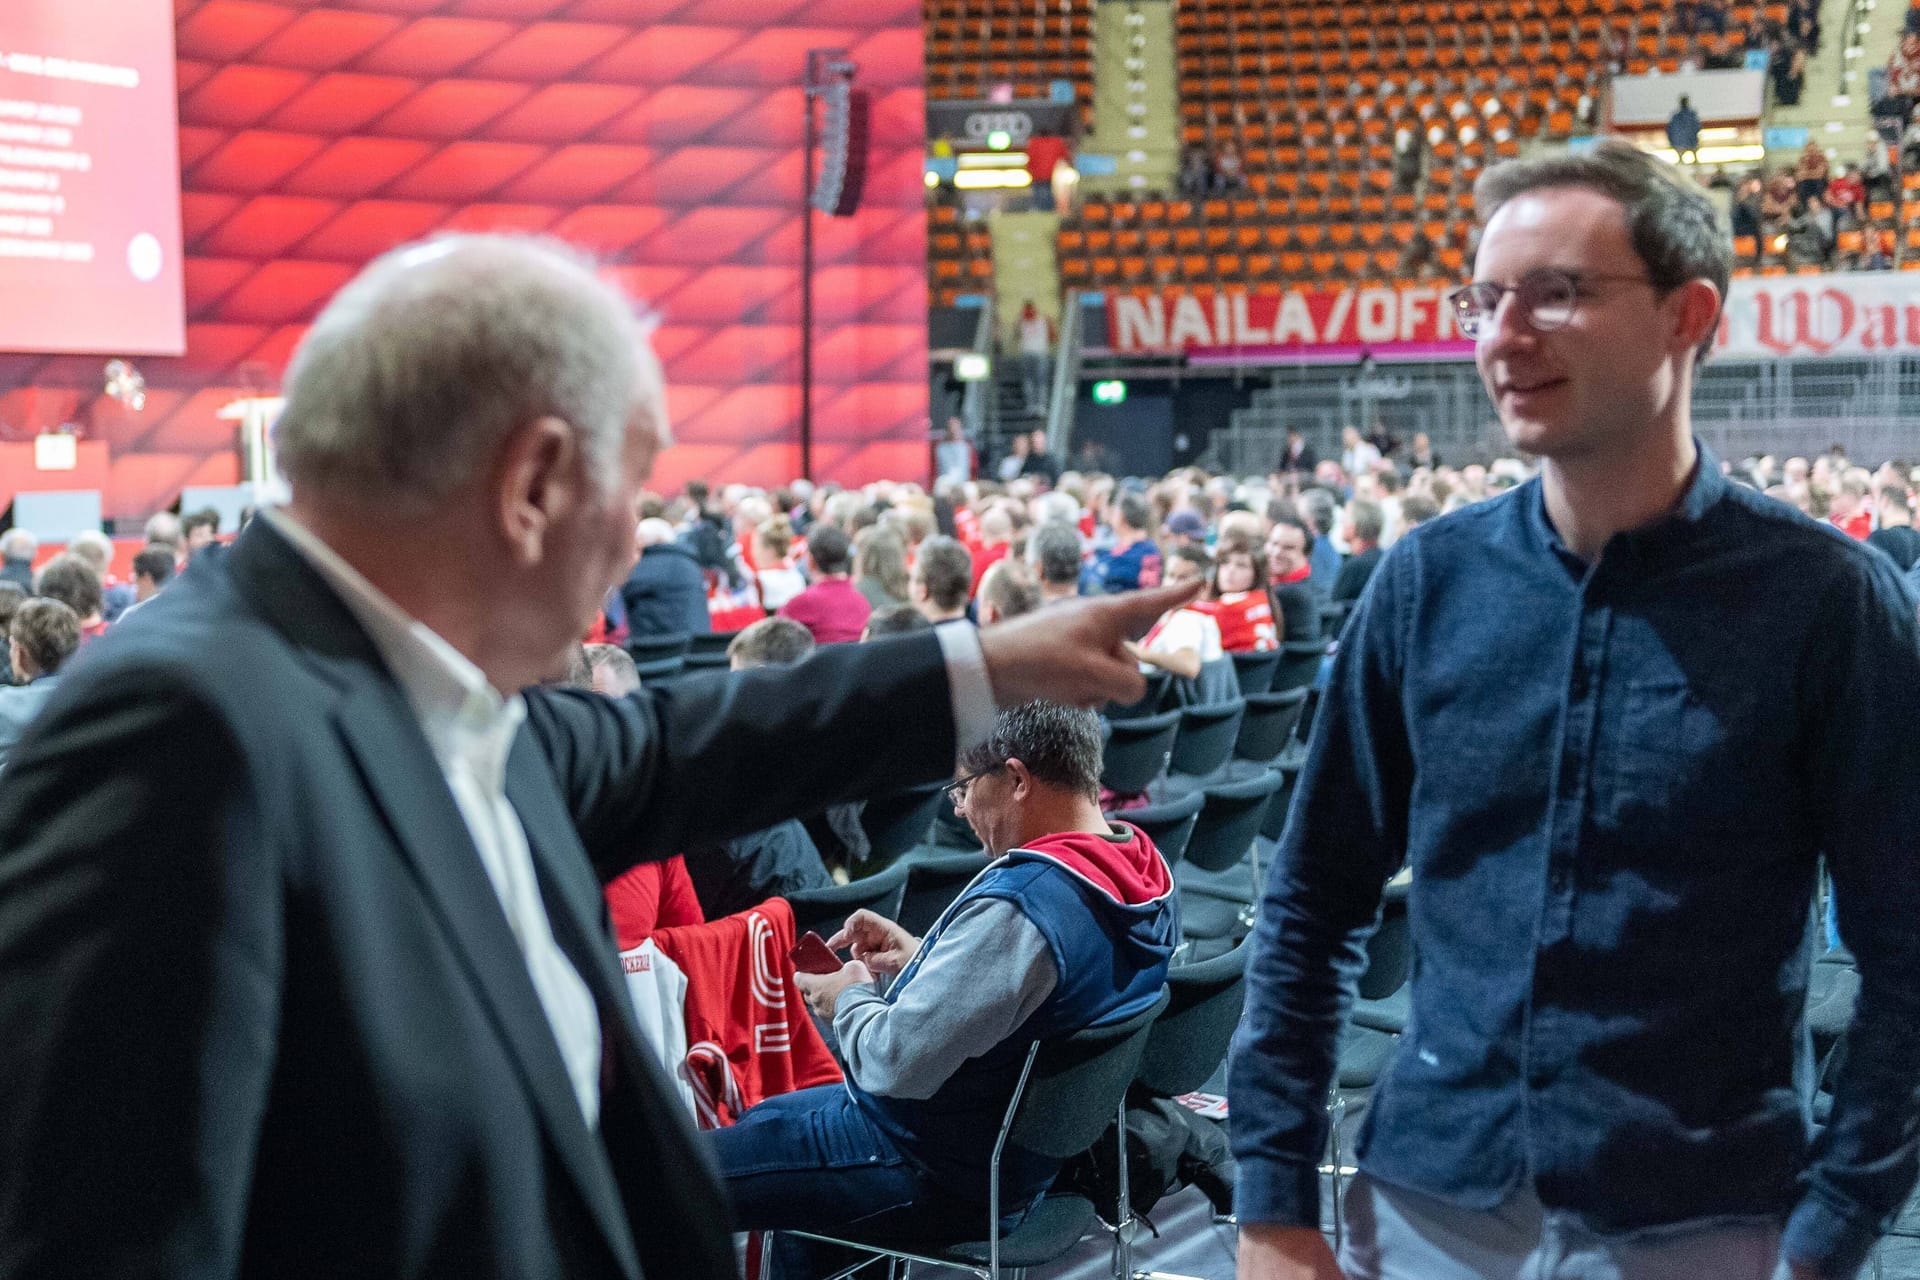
(1190, 1040)
(1371, 1038)
(1136, 752)
(1205, 741)
(659, 670)
(1255, 670)
(933, 882)
(1299, 664)
(1268, 725)
(645, 649)
(1168, 825)
(1274, 824)
(1149, 704)
(1220, 880)
(1229, 819)
(1383, 1003)
(898, 823)
(709, 649)
(825, 910)
(1073, 1092)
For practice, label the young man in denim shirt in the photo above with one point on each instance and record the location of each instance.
(1613, 719)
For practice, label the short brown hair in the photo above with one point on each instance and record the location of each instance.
(73, 582)
(1009, 588)
(1670, 220)
(770, 642)
(946, 569)
(48, 630)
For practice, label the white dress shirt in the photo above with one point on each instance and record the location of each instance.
(470, 728)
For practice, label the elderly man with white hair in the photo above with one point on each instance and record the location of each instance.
(18, 547)
(163, 530)
(666, 592)
(304, 967)
(96, 548)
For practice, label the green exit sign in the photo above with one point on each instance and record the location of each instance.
(1112, 391)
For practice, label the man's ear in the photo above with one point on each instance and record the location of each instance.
(1698, 303)
(1022, 778)
(537, 474)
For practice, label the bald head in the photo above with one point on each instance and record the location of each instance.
(419, 369)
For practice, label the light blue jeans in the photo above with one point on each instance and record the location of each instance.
(1395, 1234)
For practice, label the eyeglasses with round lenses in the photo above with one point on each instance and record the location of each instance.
(957, 789)
(1546, 298)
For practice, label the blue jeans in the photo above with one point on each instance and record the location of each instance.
(1395, 1234)
(812, 1161)
(1035, 371)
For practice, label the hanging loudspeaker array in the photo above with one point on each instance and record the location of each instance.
(843, 161)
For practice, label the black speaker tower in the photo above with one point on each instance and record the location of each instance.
(843, 172)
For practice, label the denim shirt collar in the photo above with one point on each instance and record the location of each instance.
(1704, 489)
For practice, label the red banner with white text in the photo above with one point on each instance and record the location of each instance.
(1856, 314)
(1410, 323)
(1841, 314)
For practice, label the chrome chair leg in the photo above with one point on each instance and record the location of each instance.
(1336, 1112)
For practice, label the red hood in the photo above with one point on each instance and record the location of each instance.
(1129, 871)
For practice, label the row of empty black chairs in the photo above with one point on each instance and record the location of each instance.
(662, 657)
(913, 893)
(1196, 745)
(1259, 671)
(1073, 1096)
(1371, 1035)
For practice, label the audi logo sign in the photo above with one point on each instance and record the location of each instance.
(973, 122)
(1017, 125)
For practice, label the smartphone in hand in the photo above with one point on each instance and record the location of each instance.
(812, 955)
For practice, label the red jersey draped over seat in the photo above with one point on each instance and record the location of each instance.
(749, 1035)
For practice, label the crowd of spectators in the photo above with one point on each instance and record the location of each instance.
(1710, 45)
(1311, 531)
(1212, 171)
(50, 608)
(986, 550)
(1809, 215)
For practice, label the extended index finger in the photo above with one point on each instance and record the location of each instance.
(1139, 610)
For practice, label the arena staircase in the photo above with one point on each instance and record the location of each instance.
(1856, 36)
(1025, 270)
(1136, 100)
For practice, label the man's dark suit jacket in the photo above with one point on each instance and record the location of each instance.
(260, 1010)
(1298, 610)
(1354, 574)
(666, 593)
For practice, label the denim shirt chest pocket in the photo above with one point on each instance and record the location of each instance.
(1678, 757)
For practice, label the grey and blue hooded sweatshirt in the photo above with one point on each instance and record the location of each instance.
(1072, 932)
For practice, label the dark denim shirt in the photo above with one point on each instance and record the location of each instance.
(1613, 784)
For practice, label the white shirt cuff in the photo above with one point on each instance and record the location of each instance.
(967, 684)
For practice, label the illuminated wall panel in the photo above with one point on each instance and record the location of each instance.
(662, 135)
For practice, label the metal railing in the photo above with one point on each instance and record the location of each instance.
(973, 416)
(1781, 407)
(1066, 376)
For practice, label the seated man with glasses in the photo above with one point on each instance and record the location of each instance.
(1069, 926)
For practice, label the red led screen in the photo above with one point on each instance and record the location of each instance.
(663, 135)
(89, 182)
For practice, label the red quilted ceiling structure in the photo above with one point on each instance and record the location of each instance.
(663, 135)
